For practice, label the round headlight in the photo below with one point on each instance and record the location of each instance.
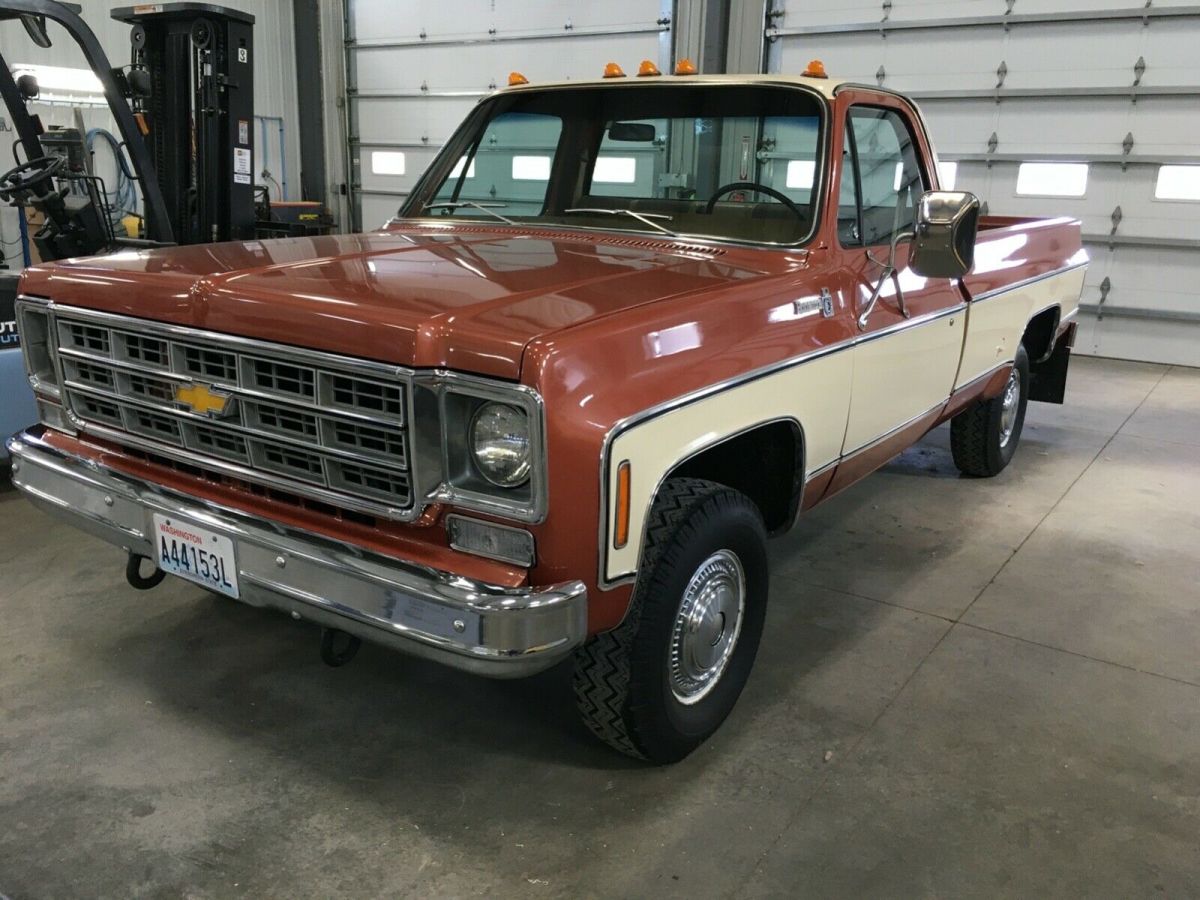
(500, 444)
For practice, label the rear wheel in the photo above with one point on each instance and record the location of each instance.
(664, 680)
(984, 437)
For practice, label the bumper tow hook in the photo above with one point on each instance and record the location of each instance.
(133, 574)
(337, 647)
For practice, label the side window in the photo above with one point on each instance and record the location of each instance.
(887, 182)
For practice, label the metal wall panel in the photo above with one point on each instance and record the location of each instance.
(1057, 80)
(413, 78)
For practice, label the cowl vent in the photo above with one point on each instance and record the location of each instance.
(592, 238)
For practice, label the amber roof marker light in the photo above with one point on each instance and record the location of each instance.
(647, 69)
(612, 70)
(685, 67)
(515, 78)
(816, 69)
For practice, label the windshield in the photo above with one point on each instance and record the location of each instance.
(724, 161)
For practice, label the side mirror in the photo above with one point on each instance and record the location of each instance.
(944, 234)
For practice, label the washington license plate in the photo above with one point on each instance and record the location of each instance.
(197, 554)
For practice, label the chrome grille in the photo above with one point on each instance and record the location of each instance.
(322, 426)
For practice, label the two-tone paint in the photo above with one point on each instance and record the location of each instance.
(641, 347)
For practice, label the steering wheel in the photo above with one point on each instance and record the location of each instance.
(752, 186)
(29, 175)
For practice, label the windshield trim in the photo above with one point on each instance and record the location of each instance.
(413, 207)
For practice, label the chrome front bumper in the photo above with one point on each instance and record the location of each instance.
(482, 628)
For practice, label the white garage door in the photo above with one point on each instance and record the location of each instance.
(415, 69)
(1108, 95)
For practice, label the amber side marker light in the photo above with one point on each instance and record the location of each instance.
(612, 70)
(685, 67)
(515, 78)
(647, 68)
(621, 533)
(816, 69)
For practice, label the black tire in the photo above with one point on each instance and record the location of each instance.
(625, 683)
(977, 437)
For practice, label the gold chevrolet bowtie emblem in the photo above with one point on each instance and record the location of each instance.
(202, 399)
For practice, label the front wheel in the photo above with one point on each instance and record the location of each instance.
(664, 680)
(984, 437)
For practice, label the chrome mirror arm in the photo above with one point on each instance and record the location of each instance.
(889, 271)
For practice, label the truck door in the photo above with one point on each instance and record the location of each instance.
(910, 341)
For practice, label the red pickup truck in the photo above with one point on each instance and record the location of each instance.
(619, 334)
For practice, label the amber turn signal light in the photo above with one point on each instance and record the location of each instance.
(816, 69)
(515, 78)
(647, 68)
(612, 70)
(685, 67)
(621, 531)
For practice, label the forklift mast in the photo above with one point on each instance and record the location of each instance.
(34, 14)
(199, 114)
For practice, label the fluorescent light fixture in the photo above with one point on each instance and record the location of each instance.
(531, 168)
(61, 80)
(458, 167)
(1177, 183)
(615, 170)
(800, 173)
(1036, 179)
(387, 162)
(947, 175)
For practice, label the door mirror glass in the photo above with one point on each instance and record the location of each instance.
(944, 234)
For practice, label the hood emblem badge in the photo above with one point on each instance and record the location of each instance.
(826, 303)
(204, 399)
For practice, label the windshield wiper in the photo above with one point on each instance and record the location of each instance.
(644, 218)
(489, 208)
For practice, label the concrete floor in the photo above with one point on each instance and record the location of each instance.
(965, 688)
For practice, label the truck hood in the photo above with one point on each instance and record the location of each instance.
(463, 297)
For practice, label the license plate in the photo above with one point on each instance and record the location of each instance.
(197, 554)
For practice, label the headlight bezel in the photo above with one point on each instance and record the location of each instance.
(457, 399)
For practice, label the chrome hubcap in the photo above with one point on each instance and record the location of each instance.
(707, 626)
(1009, 406)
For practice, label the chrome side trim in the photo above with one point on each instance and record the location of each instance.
(905, 324)
(1025, 282)
(821, 470)
(891, 432)
(736, 381)
(702, 393)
